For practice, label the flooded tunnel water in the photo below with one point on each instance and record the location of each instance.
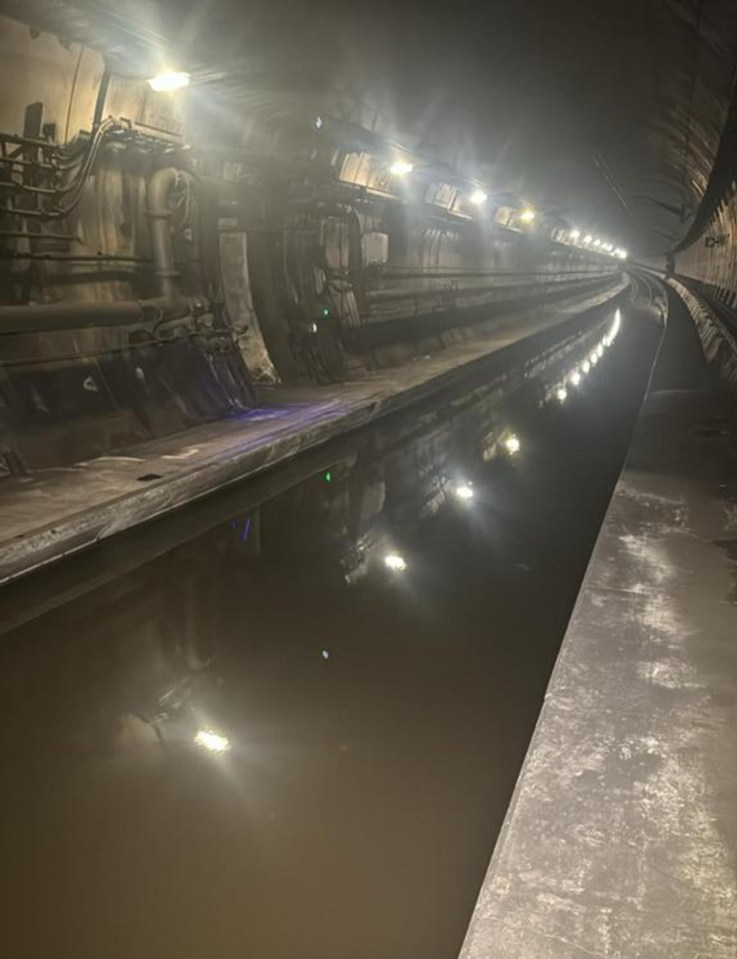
(296, 734)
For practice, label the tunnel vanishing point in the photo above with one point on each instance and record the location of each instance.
(231, 233)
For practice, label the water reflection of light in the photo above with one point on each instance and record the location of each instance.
(464, 491)
(512, 444)
(561, 394)
(211, 741)
(395, 562)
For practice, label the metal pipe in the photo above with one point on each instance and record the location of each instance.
(161, 183)
(19, 161)
(25, 188)
(417, 293)
(73, 257)
(71, 315)
(26, 235)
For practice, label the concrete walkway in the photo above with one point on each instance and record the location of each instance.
(621, 838)
(55, 512)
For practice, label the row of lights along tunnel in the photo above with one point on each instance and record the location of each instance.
(171, 80)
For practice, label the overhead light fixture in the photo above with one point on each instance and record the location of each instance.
(588, 239)
(395, 562)
(464, 491)
(169, 80)
(622, 254)
(512, 444)
(608, 247)
(575, 234)
(211, 741)
(597, 242)
(478, 197)
(561, 394)
(401, 168)
(527, 215)
(575, 378)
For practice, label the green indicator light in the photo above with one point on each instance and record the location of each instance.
(325, 311)
(327, 476)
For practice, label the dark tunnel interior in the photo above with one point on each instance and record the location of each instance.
(368, 469)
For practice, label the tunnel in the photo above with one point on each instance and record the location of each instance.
(368, 479)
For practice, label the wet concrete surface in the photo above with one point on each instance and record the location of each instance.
(621, 837)
(297, 732)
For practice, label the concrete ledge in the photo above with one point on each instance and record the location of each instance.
(621, 837)
(58, 511)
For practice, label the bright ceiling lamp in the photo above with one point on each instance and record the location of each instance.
(527, 215)
(478, 197)
(622, 254)
(574, 234)
(588, 239)
(597, 242)
(401, 168)
(395, 562)
(169, 80)
(211, 741)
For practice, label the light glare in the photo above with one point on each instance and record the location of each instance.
(464, 491)
(478, 197)
(527, 215)
(561, 394)
(169, 80)
(395, 562)
(575, 378)
(512, 444)
(211, 741)
(401, 168)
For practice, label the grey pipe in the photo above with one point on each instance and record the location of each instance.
(161, 183)
(48, 317)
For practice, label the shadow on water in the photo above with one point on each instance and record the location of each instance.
(296, 734)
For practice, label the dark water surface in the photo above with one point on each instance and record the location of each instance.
(295, 735)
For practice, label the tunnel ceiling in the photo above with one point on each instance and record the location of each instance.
(610, 112)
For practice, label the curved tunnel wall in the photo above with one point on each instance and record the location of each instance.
(704, 266)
